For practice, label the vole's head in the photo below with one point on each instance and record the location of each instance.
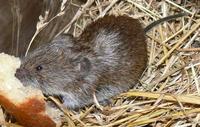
(54, 66)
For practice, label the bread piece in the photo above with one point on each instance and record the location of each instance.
(26, 104)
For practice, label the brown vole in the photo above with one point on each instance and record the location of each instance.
(106, 59)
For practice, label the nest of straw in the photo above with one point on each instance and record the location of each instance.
(169, 90)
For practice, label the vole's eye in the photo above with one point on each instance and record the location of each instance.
(39, 68)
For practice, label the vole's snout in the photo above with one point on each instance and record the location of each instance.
(24, 76)
(20, 73)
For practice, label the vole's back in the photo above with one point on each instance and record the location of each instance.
(117, 49)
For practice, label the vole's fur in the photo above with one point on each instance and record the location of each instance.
(106, 59)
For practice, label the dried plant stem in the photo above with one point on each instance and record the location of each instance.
(108, 8)
(169, 97)
(78, 14)
(189, 50)
(179, 6)
(179, 43)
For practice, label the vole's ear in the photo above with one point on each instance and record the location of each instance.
(83, 64)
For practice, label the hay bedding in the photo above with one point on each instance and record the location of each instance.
(168, 93)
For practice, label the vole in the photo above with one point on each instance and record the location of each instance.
(108, 58)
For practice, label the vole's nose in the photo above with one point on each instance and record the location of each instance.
(20, 73)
